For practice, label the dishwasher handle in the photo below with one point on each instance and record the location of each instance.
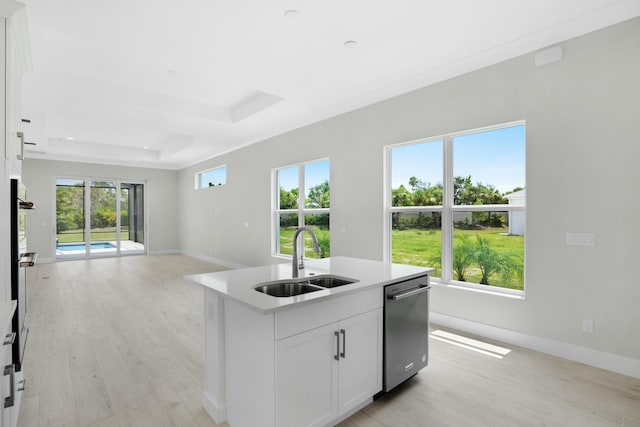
(409, 293)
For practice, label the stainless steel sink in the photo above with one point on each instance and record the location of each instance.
(287, 289)
(330, 281)
(303, 285)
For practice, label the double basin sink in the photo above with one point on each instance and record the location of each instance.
(293, 287)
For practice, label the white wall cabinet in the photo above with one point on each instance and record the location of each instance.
(14, 146)
(328, 371)
(17, 61)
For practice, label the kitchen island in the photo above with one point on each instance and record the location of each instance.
(309, 359)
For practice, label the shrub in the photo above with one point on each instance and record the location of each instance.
(493, 262)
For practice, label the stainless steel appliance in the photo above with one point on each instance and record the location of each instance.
(20, 260)
(406, 330)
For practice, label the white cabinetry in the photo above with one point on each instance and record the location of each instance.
(307, 378)
(16, 57)
(326, 372)
(360, 368)
(10, 382)
(14, 61)
(281, 369)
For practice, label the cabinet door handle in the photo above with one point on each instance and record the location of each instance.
(344, 343)
(337, 355)
(10, 400)
(9, 339)
(21, 385)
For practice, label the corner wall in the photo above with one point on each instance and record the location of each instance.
(583, 127)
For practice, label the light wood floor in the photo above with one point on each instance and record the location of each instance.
(119, 342)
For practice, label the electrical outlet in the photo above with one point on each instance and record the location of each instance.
(587, 326)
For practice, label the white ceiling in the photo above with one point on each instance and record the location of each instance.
(193, 79)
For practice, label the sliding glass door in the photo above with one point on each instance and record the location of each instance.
(103, 225)
(70, 217)
(131, 224)
(97, 218)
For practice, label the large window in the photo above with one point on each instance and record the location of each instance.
(457, 203)
(301, 197)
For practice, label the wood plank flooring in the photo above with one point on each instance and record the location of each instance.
(120, 342)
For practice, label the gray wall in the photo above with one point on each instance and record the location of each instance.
(160, 194)
(583, 128)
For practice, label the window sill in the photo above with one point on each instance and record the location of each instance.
(282, 257)
(483, 289)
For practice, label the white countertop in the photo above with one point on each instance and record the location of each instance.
(239, 284)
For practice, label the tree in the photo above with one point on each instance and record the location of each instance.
(69, 207)
(319, 196)
(466, 193)
(401, 197)
(416, 184)
(288, 199)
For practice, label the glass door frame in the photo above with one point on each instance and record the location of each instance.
(88, 180)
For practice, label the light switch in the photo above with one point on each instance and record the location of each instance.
(581, 239)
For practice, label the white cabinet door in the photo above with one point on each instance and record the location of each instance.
(325, 372)
(360, 370)
(14, 147)
(5, 390)
(306, 378)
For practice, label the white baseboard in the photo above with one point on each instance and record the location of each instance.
(163, 251)
(217, 412)
(588, 356)
(218, 261)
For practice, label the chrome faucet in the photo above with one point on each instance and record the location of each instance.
(316, 249)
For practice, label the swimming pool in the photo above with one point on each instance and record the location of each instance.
(81, 246)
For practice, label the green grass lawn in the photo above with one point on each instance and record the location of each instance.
(422, 247)
(286, 242)
(97, 235)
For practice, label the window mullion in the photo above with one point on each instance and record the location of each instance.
(447, 215)
(301, 199)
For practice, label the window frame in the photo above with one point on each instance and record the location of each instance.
(197, 176)
(301, 210)
(448, 208)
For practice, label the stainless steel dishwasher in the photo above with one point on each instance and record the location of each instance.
(406, 330)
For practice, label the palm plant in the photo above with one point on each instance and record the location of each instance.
(492, 262)
(324, 242)
(463, 256)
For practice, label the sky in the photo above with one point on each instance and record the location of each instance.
(495, 157)
(314, 173)
(217, 176)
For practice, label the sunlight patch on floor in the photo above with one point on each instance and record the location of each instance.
(470, 344)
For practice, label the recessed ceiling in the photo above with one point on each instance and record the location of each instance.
(167, 84)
